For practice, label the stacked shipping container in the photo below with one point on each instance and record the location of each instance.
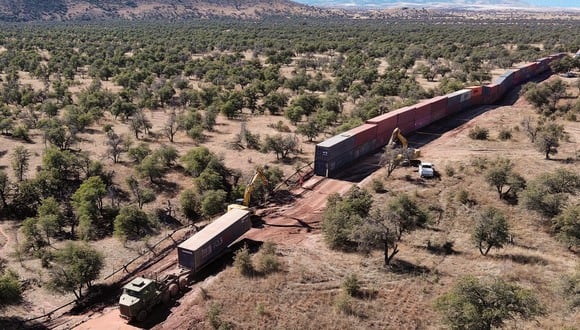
(341, 150)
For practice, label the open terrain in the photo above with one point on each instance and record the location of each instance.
(306, 292)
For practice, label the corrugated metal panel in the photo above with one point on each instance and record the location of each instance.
(212, 240)
(405, 114)
(334, 147)
(386, 123)
(362, 134)
(407, 127)
(476, 90)
(320, 167)
(438, 107)
(423, 115)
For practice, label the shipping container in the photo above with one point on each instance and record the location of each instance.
(386, 123)
(438, 107)
(476, 95)
(362, 134)
(320, 167)
(334, 146)
(423, 115)
(455, 100)
(210, 242)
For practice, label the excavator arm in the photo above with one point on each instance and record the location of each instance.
(250, 187)
(397, 135)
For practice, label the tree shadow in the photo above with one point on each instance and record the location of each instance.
(16, 323)
(162, 185)
(444, 249)
(522, 259)
(399, 266)
(98, 297)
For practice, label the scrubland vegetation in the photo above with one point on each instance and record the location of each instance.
(102, 125)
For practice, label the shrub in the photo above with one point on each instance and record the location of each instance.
(351, 285)
(449, 171)
(343, 304)
(243, 262)
(505, 134)
(478, 133)
(21, 133)
(10, 289)
(378, 186)
(268, 260)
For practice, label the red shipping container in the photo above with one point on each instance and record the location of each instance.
(476, 95)
(362, 134)
(386, 123)
(405, 114)
(422, 115)
(438, 107)
(407, 127)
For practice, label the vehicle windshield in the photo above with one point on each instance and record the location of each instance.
(426, 166)
(132, 293)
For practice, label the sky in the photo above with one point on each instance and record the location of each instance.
(377, 3)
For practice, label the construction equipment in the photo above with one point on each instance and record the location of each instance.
(142, 294)
(409, 155)
(245, 203)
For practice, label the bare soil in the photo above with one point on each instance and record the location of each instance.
(305, 293)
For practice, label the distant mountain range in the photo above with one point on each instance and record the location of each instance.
(33, 10)
(63, 10)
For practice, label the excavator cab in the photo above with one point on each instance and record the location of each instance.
(409, 155)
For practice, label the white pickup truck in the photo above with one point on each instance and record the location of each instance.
(426, 170)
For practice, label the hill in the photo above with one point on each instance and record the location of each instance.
(61, 10)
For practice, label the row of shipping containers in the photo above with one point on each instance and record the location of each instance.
(343, 149)
(210, 242)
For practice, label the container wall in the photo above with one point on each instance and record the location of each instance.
(186, 258)
(438, 107)
(320, 167)
(362, 134)
(423, 115)
(386, 123)
(221, 241)
(334, 147)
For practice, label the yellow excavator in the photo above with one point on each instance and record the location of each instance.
(410, 155)
(248, 192)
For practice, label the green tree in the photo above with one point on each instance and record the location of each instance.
(190, 204)
(407, 214)
(76, 266)
(142, 195)
(4, 187)
(310, 129)
(87, 203)
(213, 202)
(343, 215)
(20, 162)
(10, 289)
(132, 223)
(567, 226)
(491, 230)
(197, 159)
(151, 167)
(378, 230)
(139, 152)
(275, 102)
(548, 193)
(477, 305)
(501, 175)
(548, 139)
(281, 145)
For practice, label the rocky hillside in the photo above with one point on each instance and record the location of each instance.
(60, 10)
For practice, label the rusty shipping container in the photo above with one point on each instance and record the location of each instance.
(210, 242)
(423, 115)
(362, 134)
(406, 119)
(386, 123)
(476, 95)
(438, 107)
